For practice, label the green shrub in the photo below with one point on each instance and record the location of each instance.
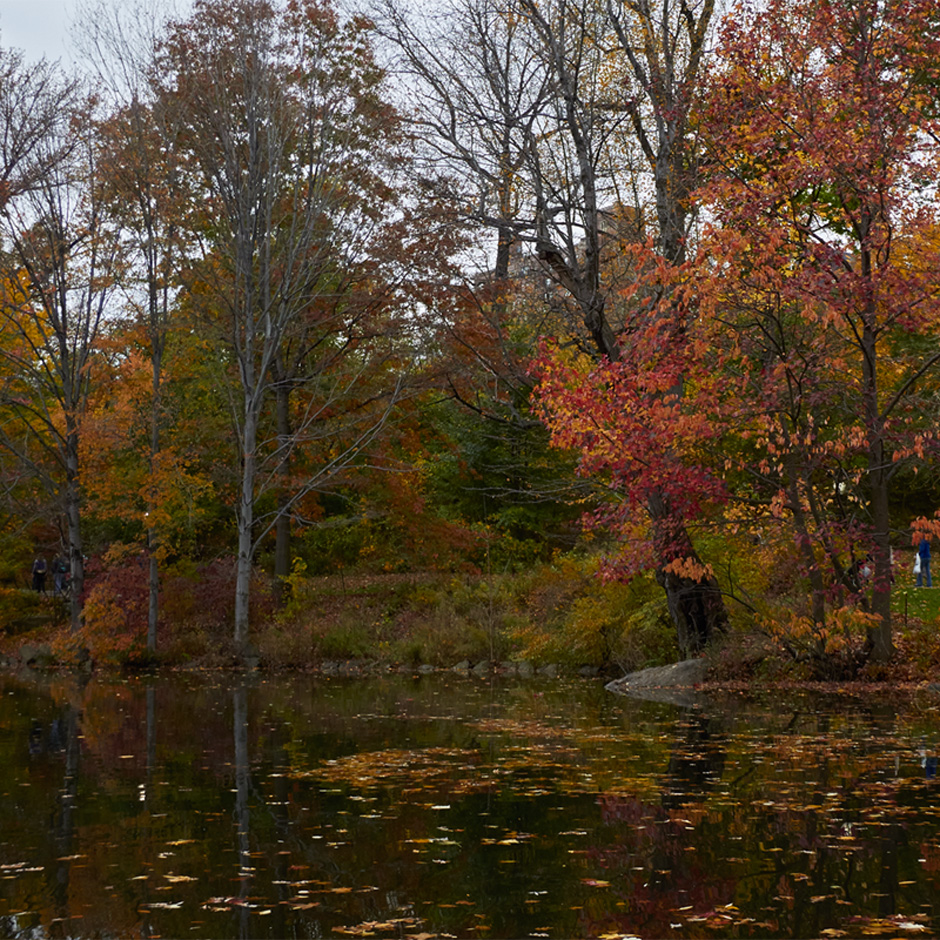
(577, 618)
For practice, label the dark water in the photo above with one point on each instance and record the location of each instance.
(452, 807)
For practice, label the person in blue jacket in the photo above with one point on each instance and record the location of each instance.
(923, 576)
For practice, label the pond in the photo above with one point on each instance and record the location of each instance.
(446, 806)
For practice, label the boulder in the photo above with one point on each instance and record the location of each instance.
(675, 684)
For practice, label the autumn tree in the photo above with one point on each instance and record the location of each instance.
(663, 51)
(59, 271)
(601, 120)
(142, 181)
(283, 126)
(485, 87)
(823, 137)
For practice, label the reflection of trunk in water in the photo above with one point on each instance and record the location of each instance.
(242, 781)
(313, 852)
(891, 839)
(282, 825)
(151, 734)
(697, 761)
(63, 821)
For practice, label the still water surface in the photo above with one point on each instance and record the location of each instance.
(451, 807)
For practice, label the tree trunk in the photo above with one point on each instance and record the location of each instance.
(805, 542)
(73, 516)
(696, 606)
(282, 526)
(153, 606)
(880, 635)
(246, 507)
(153, 577)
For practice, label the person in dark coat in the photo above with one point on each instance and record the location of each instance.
(39, 574)
(60, 570)
(923, 576)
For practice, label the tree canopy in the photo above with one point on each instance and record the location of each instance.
(284, 289)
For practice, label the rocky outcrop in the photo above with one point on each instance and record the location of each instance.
(675, 684)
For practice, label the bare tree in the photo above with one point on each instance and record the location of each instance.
(35, 99)
(664, 47)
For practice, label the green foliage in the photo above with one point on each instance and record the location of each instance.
(463, 619)
(295, 591)
(22, 610)
(328, 548)
(912, 603)
(577, 619)
(348, 638)
(506, 476)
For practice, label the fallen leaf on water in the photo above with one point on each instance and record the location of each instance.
(368, 928)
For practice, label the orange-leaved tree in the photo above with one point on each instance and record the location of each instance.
(647, 426)
(820, 272)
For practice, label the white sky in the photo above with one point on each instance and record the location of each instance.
(38, 27)
(44, 27)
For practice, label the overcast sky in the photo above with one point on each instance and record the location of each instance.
(42, 27)
(38, 27)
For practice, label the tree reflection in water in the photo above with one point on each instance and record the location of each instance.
(262, 807)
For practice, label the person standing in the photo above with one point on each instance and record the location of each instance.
(39, 574)
(60, 568)
(923, 575)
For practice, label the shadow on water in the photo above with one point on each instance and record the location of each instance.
(445, 806)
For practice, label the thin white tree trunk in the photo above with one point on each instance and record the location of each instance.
(245, 523)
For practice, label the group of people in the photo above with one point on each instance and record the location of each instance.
(60, 575)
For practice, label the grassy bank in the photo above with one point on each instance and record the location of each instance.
(555, 614)
(558, 613)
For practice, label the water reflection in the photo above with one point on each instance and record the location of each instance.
(395, 807)
(697, 760)
(64, 733)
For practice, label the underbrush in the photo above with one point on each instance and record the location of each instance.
(558, 612)
(552, 613)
